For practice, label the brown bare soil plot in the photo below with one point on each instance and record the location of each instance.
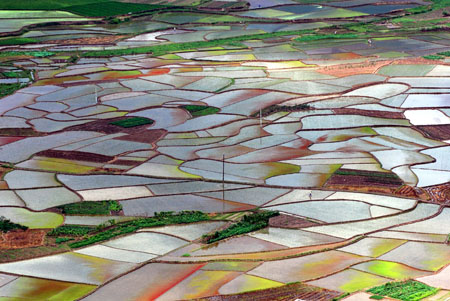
(287, 292)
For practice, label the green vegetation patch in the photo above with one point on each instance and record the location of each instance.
(433, 57)
(280, 108)
(6, 225)
(132, 122)
(316, 37)
(29, 53)
(42, 4)
(72, 230)
(200, 110)
(91, 208)
(7, 89)
(409, 290)
(161, 219)
(110, 8)
(366, 173)
(17, 41)
(249, 223)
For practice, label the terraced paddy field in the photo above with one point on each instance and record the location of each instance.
(212, 150)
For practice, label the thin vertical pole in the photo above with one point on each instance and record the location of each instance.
(260, 124)
(223, 182)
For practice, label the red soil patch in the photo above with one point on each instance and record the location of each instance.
(364, 189)
(22, 239)
(75, 155)
(380, 114)
(369, 67)
(289, 222)
(439, 193)
(295, 291)
(6, 140)
(437, 132)
(347, 177)
(144, 135)
(346, 56)
(352, 69)
(110, 39)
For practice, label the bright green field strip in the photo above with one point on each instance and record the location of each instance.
(19, 14)
(43, 4)
(407, 290)
(389, 269)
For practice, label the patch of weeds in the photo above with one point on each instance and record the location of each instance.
(433, 57)
(90, 208)
(132, 122)
(409, 290)
(60, 240)
(6, 225)
(249, 223)
(200, 110)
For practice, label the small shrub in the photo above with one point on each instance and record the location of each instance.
(132, 122)
(6, 225)
(60, 240)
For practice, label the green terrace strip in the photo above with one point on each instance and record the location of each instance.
(6, 225)
(132, 122)
(365, 173)
(433, 57)
(409, 290)
(7, 89)
(158, 50)
(43, 4)
(200, 110)
(279, 108)
(91, 208)
(28, 53)
(17, 41)
(315, 37)
(249, 223)
(71, 230)
(161, 219)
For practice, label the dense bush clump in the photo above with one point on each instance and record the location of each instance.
(248, 224)
(409, 290)
(91, 208)
(6, 225)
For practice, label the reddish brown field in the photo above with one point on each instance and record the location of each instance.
(290, 222)
(22, 239)
(295, 291)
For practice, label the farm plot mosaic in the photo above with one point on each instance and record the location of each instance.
(224, 150)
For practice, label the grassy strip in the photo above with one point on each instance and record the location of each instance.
(132, 122)
(409, 290)
(248, 224)
(162, 219)
(17, 41)
(365, 173)
(433, 57)
(71, 230)
(316, 37)
(280, 108)
(7, 89)
(158, 50)
(6, 225)
(28, 53)
(200, 110)
(42, 4)
(91, 208)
